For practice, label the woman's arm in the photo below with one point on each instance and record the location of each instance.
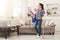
(42, 13)
(32, 13)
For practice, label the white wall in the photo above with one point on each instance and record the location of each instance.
(8, 8)
(2, 7)
(5, 8)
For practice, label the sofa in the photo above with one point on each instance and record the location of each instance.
(28, 28)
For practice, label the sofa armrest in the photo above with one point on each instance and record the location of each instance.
(52, 25)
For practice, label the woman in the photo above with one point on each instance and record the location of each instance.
(39, 14)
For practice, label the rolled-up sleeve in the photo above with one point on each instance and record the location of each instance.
(42, 13)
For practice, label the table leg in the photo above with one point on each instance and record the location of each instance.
(5, 33)
(17, 30)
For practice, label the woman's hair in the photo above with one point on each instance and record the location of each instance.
(41, 5)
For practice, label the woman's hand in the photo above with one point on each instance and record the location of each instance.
(29, 14)
(32, 14)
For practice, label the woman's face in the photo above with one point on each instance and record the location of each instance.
(39, 7)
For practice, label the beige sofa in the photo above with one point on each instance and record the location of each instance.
(29, 29)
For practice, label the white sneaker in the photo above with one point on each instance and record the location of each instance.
(38, 35)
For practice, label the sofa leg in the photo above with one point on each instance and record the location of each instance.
(17, 30)
(52, 33)
(5, 37)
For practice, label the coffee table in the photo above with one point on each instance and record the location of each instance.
(7, 30)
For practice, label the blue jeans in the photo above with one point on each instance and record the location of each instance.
(38, 26)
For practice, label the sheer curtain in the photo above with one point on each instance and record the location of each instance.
(19, 10)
